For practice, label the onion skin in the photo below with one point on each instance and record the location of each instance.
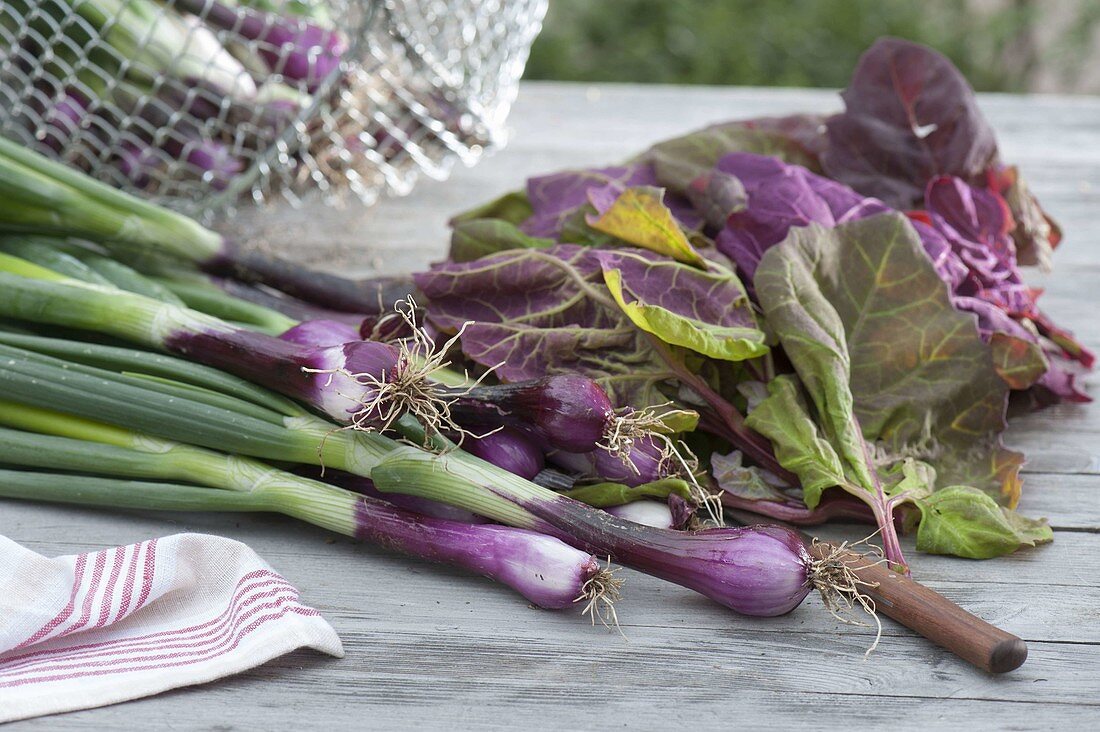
(762, 571)
(508, 449)
(569, 412)
(545, 570)
(292, 307)
(682, 511)
(321, 333)
(645, 512)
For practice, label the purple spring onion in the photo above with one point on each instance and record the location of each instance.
(350, 382)
(363, 384)
(139, 162)
(199, 99)
(508, 449)
(276, 106)
(647, 460)
(545, 570)
(759, 570)
(63, 120)
(298, 49)
(394, 326)
(568, 412)
(647, 456)
(211, 159)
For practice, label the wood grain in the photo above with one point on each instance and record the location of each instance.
(429, 648)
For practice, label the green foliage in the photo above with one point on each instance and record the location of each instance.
(796, 43)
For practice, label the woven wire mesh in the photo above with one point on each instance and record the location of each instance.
(199, 104)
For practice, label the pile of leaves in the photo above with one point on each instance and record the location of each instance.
(838, 298)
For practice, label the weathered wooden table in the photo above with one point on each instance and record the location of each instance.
(433, 648)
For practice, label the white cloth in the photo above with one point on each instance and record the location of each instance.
(89, 630)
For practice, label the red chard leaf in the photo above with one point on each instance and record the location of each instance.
(909, 116)
(1036, 234)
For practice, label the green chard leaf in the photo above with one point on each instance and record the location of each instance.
(784, 418)
(745, 481)
(513, 208)
(683, 316)
(902, 385)
(963, 521)
(476, 238)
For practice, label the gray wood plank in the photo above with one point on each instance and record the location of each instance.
(432, 647)
(1045, 594)
(424, 641)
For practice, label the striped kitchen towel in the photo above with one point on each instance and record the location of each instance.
(94, 629)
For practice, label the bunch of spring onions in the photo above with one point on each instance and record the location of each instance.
(167, 391)
(169, 74)
(41, 196)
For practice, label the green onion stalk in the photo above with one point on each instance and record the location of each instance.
(41, 196)
(363, 384)
(354, 383)
(755, 570)
(545, 570)
(80, 262)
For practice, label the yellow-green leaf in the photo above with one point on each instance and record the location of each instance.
(639, 216)
(963, 521)
(725, 341)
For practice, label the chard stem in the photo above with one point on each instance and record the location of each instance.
(891, 544)
(731, 425)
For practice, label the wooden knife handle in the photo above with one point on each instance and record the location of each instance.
(934, 616)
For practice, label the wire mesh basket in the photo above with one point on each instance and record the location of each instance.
(199, 104)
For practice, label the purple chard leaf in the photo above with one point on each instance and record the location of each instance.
(781, 196)
(909, 117)
(552, 310)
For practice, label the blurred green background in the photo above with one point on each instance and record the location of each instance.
(1000, 45)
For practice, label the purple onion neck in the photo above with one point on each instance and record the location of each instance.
(371, 296)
